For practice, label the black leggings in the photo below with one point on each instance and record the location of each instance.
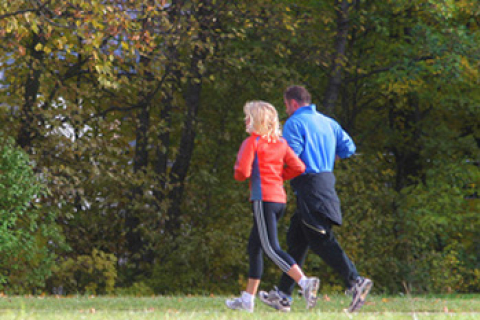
(264, 238)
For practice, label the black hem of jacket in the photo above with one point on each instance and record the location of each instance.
(317, 198)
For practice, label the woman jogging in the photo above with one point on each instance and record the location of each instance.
(267, 160)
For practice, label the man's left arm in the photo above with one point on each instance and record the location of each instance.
(345, 145)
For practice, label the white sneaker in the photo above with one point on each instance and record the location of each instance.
(276, 299)
(309, 292)
(239, 304)
(359, 293)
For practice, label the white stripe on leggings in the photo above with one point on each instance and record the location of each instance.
(263, 235)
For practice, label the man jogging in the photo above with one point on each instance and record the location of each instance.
(317, 140)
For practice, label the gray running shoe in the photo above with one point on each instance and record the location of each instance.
(276, 299)
(310, 292)
(238, 304)
(359, 293)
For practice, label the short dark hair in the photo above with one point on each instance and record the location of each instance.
(299, 94)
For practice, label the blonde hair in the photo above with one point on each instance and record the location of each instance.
(263, 119)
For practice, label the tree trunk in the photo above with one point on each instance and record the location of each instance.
(338, 57)
(133, 236)
(182, 162)
(28, 126)
(192, 100)
(406, 123)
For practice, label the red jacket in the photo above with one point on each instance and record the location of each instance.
(267, 164)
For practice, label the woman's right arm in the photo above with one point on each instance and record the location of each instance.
(245, 157)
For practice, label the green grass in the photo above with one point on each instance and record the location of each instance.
(212, 308)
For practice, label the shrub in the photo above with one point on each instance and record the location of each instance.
(138, 289)
(27, 233)
(87, 274)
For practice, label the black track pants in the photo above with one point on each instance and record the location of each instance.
(301, 237)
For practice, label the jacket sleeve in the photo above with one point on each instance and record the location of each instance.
(292, 132)
(245, 157)
(294, 166)
(345, 145)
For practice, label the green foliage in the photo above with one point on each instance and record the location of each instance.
(135, 120)
(87, 274)
(209, 257)
(138, 289)
(28, 233)
(422, 239)
(450, 272)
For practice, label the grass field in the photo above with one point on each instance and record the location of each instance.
(211, 308)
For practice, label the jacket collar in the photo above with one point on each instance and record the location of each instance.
(306, 109)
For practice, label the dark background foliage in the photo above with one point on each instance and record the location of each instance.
(130, 115)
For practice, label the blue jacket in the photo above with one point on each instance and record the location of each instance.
(317, 139)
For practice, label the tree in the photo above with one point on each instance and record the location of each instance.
(132, 112)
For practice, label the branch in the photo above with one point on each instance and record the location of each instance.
(114, 108)
(3, 16)
(50, 21)
(131, 107)
(73, 71)
(385, 69)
